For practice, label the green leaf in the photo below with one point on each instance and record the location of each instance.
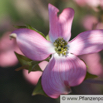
(38, 89)
(28, 63)
(22, 59)
(90, 76)
(47, 38)
(34, 67)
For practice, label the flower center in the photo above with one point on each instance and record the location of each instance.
(60, 46)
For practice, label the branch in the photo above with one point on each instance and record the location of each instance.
(94, 81)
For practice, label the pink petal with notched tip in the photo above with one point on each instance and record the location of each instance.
(33, 45)
(93, 61)
(61, 73)
(87, 42)
(60, 26)
(33, 77)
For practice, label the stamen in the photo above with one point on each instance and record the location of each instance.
(60, 46)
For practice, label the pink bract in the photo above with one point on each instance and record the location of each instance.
(80, 2)
(99, 26)
(93, 62)
(33, 77)
(62, 71)
(94, 4)
(91, 20)
(7, 48)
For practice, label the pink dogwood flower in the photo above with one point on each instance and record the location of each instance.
(65, 69)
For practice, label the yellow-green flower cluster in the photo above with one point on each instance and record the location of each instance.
(60, 46)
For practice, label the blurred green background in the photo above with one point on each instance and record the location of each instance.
(13, 87)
